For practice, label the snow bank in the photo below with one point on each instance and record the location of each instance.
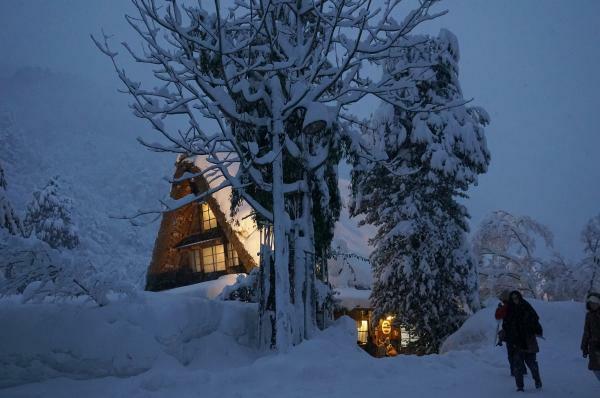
(125, 338)
(330, 364)
(207, 290)
(561, 321)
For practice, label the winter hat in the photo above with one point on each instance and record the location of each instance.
(516, 293)
(593, 298)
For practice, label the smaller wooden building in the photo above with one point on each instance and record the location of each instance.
(201, 240)
(383, 338)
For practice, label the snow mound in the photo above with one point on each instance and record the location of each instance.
(124, 338)
(207, 290)
(561, 321)
(193, 347)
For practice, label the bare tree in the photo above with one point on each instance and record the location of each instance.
(505, 246)
(275, 79)
(590, 237)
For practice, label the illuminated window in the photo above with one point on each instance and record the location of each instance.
(232, 256)
(363, 331)
(208, 218)
(213, 258)
(196, 260)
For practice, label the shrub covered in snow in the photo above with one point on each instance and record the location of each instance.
(244, 289)
(49, 217)
(31, 268)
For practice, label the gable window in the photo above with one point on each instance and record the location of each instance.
(233, 259)
(208, 218)
(213, 258)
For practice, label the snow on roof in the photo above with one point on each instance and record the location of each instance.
(241, 223)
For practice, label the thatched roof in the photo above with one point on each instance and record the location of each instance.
(239, 228)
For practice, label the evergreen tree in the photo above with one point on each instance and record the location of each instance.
(49, 216)
(8, 219)
(424, 272)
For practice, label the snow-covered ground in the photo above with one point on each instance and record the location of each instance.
(187, 345)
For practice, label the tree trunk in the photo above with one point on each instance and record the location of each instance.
(266, 313)
(283, 310)
(308, 244)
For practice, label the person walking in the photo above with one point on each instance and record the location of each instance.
(590, 342)
(521, 329)
(500, 315)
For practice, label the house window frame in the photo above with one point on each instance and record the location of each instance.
(208, 220)
(212, 252)
(195, 255)
(232, 257)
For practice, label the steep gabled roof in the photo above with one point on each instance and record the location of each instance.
(178, 229)
(239, 228)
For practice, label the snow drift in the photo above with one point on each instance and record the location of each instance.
(125, 338)
(562, 321)
(183, 345)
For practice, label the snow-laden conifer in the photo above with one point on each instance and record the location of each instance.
(49, 217)
(9, 220)
(423, 269)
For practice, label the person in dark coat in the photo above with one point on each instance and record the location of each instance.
(521, 328)
(590, 342)
(500, 315)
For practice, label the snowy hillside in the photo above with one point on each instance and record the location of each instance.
(100, 164)
(185, 345)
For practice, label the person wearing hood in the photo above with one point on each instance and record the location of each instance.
(500, 315)
(590, 342)
(521, 328)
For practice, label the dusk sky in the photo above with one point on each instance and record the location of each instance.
(531, 64)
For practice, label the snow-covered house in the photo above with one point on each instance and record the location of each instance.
(201, 240)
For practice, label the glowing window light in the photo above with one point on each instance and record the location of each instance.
(363, 331)
(209, 220)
